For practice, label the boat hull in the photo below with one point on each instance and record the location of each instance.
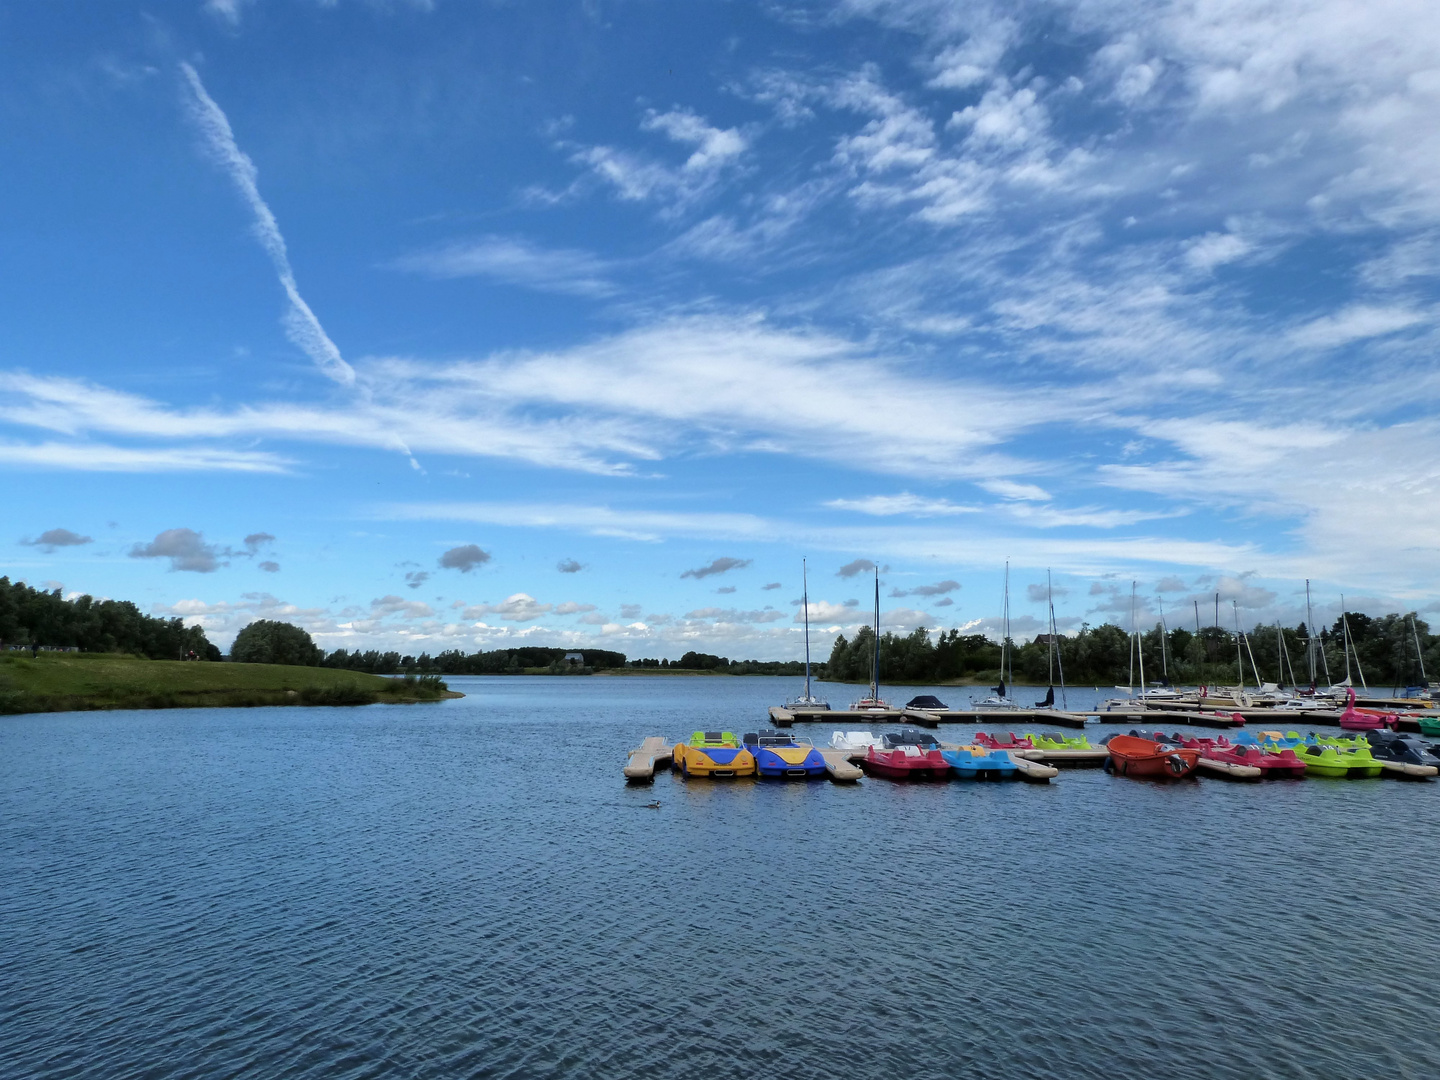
(897, 765)
(1145, 759)
(981, 765)
(789, 763)
(713, 763)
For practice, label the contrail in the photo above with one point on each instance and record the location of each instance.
(301, 325)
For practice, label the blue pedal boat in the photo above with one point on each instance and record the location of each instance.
(777, 753)
(981, 763)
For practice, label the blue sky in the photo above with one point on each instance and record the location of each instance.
(443, 325)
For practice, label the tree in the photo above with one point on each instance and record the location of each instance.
(267, 641)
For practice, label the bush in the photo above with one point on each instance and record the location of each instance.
(269, 642)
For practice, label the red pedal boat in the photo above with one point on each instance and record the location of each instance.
(1007, 741)
(907, 755)
(1147, 759)
(1272, 765)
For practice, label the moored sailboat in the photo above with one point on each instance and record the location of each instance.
(872, 701)
(808, 702)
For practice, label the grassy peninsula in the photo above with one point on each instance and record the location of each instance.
(59, 682)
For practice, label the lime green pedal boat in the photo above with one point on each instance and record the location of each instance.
(1051, 740)
(1342, 762)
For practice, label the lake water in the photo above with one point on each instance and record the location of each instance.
(469, 889)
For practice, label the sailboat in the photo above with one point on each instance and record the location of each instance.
(808, 703)
(1053, 654)
(1163, 692)
(1000, 699)
(872, 702)
(1130, 701)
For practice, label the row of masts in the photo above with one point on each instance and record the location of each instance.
(1316, 659)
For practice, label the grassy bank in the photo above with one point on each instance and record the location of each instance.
(59, 682)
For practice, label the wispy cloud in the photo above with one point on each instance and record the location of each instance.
(301, 325)
(902, 504)
(516, 261)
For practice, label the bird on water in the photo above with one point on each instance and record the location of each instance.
(653, 805)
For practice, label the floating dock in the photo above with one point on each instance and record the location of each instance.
(641, 765)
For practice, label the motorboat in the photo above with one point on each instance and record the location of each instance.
(806, 702)
(778, 753)
(907, 755)
(1149, 759)
(854, 741)
(714, 754)
(981, 763)
(926, 703)
(1006, 741)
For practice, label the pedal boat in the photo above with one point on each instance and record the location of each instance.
(779, 754)
(1051, 740)
(1339, 762)
(1273, 764)
(1007, 741)
(715, 754)
(854, 741)
(1403, 748)
(907, 755)
(1353, 719)
(1148, 759)
(981, 763)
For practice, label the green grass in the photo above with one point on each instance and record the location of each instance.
(59, 682)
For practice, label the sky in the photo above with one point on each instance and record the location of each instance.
(436, 325)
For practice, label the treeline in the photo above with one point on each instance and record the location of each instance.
(491, 662)
(1102, 655)
(35, 617)
(698, 661)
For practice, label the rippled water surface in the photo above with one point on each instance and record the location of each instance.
(469, 889)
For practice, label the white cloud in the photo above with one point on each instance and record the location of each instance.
(1011, 489)
(902, 504)
(301, 325)
(1355, 323)
(516, 261)
(519, 607)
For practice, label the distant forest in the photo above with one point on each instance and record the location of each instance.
(1096, 655)
(31, 616)
(1101, 655)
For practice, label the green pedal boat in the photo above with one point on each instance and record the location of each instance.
(1051, 740)
(1335, 761)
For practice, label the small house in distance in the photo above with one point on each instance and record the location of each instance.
(575, 659)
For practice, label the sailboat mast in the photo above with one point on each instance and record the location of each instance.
(1239, 660)
(1140, 652)
(1007, 661)
(1309, 633)
(1418, 654)
(1345, 636)
(875, 667)
(1132, 635)
(1050, 603)
(1164, 633)
(805, 604)
(1199, 642)
(1055, 642)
